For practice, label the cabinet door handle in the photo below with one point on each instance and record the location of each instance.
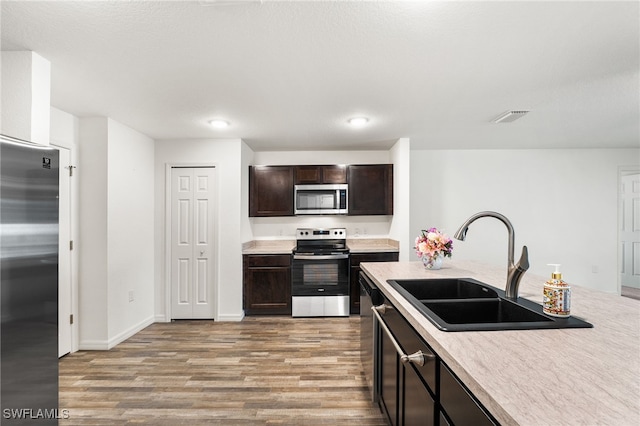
(418, 358)
(320, 257)
(382, 308)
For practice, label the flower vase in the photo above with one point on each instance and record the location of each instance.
(432, 262)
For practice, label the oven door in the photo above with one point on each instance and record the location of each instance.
(320, 275)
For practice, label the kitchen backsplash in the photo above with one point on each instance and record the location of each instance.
(285, 227)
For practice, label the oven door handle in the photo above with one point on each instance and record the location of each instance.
(320, 257)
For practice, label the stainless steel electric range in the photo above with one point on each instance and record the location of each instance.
(320, 273)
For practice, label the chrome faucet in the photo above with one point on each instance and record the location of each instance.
(516, 271)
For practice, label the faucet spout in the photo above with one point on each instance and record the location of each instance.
(515, 271)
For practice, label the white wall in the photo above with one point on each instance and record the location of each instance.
(247, 159)
(562, 203)
(116, 232)
(26, 93)
(320, 157)
(93, 272)
(285, 227)
(130, 250)
(400, 229)
(64, 128)
(228, 156)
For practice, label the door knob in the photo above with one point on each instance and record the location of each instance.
(201, 253)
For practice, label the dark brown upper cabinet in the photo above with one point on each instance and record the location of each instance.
(271, 190)
(320, 174)
(370, 189)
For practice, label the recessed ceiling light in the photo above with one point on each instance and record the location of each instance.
(220, 124)
(358, 121)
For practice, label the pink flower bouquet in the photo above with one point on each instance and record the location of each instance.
(433, 243)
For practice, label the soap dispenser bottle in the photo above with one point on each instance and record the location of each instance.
(556, 295)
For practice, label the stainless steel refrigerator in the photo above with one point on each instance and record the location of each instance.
(29, 280)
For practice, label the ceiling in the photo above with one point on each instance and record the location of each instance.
(288, 75)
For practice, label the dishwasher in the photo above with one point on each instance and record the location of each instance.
(369, 334)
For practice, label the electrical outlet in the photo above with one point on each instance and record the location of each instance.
(130, 295)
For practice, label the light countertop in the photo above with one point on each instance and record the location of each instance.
(537, 377)
(372, 245)
(268, 247)
(356, 245)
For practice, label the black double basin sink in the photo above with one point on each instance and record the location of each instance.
(465, 304)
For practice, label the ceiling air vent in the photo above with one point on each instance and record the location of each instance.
(227, 2)
(509, 116)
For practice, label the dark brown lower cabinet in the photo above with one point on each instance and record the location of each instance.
(354, 262)
(407, 388)
(388, 397)
(419, 406)
(458, 402)
(413, 394)
(443, 420)
(266, 284)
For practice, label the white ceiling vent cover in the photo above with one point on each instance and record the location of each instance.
(509, 116)
(227, 2)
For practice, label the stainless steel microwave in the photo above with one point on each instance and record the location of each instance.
(321, 199)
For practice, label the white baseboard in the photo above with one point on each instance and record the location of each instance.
(231, 317)
(105, 345)
(161, 318)
(119, 338)
(93, 345)
(221, 318)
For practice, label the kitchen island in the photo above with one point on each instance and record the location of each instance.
(587, 376)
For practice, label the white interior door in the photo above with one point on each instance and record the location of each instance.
(64, 255)
(192, 242)
(630, 231)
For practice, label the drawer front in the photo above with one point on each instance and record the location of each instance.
(268, 260)
(411, 343)
(373, 257)
(459, 405)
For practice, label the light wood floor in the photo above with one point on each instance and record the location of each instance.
(263, 370)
